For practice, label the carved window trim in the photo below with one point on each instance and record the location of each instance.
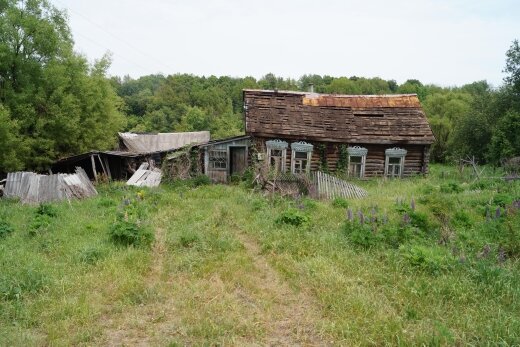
(357, 151)
(279, 160)
(394, 169)
(298, 163)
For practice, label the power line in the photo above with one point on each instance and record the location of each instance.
(119, 55)
(115, 37)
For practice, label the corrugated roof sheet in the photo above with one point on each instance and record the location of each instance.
(146, 143)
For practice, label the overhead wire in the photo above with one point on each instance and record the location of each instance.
(121, 40)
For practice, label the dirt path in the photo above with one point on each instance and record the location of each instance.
(292, 321)
(288, 317)
(146, 323)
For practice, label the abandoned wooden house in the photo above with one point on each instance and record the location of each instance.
(297, 132)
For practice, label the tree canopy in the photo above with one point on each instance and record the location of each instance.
(52, 101)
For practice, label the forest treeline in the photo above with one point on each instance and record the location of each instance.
(53, 103)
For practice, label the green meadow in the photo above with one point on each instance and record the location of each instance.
(421, 261)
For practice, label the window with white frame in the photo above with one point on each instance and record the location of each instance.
(394, 162)
(301, 157)
(356, 161)
(218, 160)
(276, 154)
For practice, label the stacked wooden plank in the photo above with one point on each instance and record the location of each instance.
(330, 187)
(32, 188)
(145, 178)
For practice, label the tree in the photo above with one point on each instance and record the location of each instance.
(513, 66)
(60, 105)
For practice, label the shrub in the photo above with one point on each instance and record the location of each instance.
(432, 260)
(128, 233)
(503, 199)
(461, 219)
(420, 221)
(41, 223)
(361, 235)
(395, 236)
(340, 202)
(46, 210)
(5, 229)
(200, 180)
(451, 187)
(293, 217)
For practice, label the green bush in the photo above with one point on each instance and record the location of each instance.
(395, 236)
(128, 233)
(503, 199)
(5, 229)
(432, 260)
(46, 210)
(451, 187)
(340, 202)
(293, 217)
(41, 223)
(361, 235)
(461, 219)
(420, 221)
(200, 180)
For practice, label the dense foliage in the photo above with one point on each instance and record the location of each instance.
(53, 103)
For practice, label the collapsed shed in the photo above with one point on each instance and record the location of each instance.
(133, 150)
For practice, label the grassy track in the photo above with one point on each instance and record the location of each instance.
(223, 269)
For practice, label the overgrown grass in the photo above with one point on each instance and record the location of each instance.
(430, 261)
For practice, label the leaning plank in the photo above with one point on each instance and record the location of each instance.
(32, 188)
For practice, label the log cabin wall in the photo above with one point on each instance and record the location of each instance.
(416, 160)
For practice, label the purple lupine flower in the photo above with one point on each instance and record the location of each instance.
(350, 215)
(412, 204)
(406, 218)
(497, 213)
(385, 218)
(361, 217)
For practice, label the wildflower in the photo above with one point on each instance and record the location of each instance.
(406, 218)
(497, 213)
(350, 215)
(412, 204)
(361, 217)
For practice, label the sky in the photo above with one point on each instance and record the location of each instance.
(445, 42)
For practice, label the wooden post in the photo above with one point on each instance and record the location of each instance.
(93, 166)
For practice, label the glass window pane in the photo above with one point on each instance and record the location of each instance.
(300, 155)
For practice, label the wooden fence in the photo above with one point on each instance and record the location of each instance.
(330, 187)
